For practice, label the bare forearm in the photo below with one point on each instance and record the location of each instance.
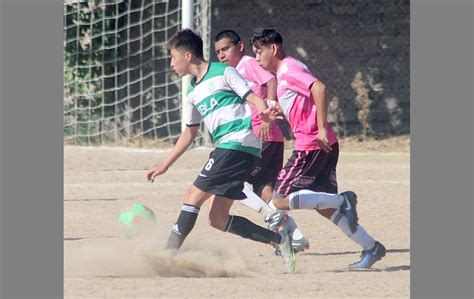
(257, 102)
(318, 90)
(272, 89)
(184, 141)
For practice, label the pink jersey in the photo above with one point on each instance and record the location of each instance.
(256, 78)
(294, 96)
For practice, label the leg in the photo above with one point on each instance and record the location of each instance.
(199, 192)
(219, 218)
(262, 178)
(225, 179)
(254, 202)
(372, 249)
(219, 212)
(187, 217)
(274, 218)
(309, 200)
(327, 213)
(299, 182)
(266, 193)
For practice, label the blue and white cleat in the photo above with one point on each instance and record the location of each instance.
(276, 220)
(285, 250)
(300, 245)
(370, 256)
(348, 208)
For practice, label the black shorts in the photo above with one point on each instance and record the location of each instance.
(310, 170)
(268, 167)
(225, 172)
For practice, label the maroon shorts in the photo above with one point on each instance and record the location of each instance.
(310, 170)
(267, 168)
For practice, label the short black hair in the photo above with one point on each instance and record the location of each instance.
(233, 37)
(189, 41)
(265, 37)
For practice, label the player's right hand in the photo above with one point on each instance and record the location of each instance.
(270, 114)
(322, 140)
(276, 109)
(155, 171)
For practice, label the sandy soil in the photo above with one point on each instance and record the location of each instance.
(100, 263)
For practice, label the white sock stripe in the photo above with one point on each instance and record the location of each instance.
(190, 209)
(229, 224)
(360, 237)
(338, 217)
(293, 201)
(335, 216)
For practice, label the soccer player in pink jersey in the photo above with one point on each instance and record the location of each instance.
(230, 49)
(310, 173)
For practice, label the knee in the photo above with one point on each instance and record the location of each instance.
(266, 193)
(327, 213)
(217, 221)
(195, 197)
(281, 203)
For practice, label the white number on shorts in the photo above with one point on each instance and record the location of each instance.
(209, 164)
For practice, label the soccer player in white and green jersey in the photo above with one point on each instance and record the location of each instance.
(217, 96)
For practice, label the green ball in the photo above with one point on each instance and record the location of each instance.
(136, 218)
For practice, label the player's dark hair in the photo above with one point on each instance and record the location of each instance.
(233, 37)
(188, 41)
(265, 37)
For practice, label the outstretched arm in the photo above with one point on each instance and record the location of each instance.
(261, 105)
(266, 114)
(184, 141)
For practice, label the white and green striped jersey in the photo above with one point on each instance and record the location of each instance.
(218, 100)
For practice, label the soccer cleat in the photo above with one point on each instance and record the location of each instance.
(348, 208)
(300, 245)
(276, 220)
(370, 256)
(286, 251)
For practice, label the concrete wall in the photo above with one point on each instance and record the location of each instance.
(359, 49)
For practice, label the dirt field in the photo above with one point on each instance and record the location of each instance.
(100, 263)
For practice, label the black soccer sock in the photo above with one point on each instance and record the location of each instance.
(183, 226)
(246, 229)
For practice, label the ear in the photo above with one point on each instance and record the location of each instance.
(240, 46)
(189, 56)
(274, 49)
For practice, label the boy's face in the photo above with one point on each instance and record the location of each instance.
(180, 61)
(227, 52)
(265, 56)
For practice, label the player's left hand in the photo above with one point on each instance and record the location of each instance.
(264, 131)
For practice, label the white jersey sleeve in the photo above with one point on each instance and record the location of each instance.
(236, 82)
(192, 117)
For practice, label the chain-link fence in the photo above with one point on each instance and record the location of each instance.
(118, 86)
(360, 49)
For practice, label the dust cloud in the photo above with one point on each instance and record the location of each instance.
(144, 256)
